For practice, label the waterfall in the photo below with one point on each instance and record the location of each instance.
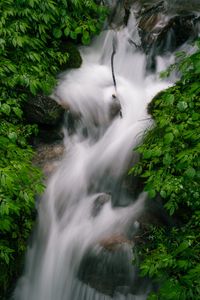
(84, 204)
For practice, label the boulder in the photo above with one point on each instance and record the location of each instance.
(108, 270)
(165, 26)
(99, 203)
(114, 242)
(164, 33)
(48, 156)
(75, 59)
(43, 110)
(115, 107)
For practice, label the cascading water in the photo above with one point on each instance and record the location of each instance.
(84, 204)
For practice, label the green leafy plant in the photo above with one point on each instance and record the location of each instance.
(34, 46)
(169, 166)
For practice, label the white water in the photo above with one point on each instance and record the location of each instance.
(94, 163)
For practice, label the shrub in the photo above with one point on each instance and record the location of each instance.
(33, 35)
(169, 166)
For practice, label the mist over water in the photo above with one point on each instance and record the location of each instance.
(71, 222)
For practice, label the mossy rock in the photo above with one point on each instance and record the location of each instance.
(75, 59)
(43, 110)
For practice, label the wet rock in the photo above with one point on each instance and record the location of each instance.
(99, 203)
(48, 135)
(164, 33)
(109, 271)
(43, 110)
(47, 157)
(175, 33)
(115, 108)
(114, 242)
(164, 27)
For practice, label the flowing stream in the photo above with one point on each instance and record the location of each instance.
(85, 205)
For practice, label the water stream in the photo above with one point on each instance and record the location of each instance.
(84, 204)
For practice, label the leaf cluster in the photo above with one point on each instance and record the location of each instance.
(19, 183)
(33, 39)
(170, 167)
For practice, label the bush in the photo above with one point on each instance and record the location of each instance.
(33, 35)
(169, 166)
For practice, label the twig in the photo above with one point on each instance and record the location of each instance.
(114, 44)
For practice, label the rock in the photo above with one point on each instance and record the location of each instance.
(165, 33)
(47, 157)
(164, 27)
(99, 203)
(75, 59)
(115, 107)
(43, 110)
(109, 271)
(115, 242)
(48, 135)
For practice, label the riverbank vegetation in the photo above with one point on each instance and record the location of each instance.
(170, 166)
(33, 35)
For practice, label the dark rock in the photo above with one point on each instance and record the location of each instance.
(107, 269)
(164, 33)
(43, 110)
(75, 59)
(48, 135)
(163, 28)
(99, 203)
(114, 242)
(155, 214)
(115, 107)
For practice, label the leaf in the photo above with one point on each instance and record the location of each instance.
(170, 99)
(182, 247)
(152, 193)
(163, 194)
(66, 31)
(182, 105)
(18, 112)
(92, 28)
(167, 159)
(73, 35)
(57, 33)
(5, 108)
(168, 138)
(147, 154)
(12, 136)
(195, 117)
(190, 172)
(79, 30)
(3, 141)
(171, 206)
(86, 38)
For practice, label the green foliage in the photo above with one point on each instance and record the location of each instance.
(169, 166)
(33, 39)
(33, 34)
(19, 183)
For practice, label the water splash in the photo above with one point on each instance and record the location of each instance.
(98, 153)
